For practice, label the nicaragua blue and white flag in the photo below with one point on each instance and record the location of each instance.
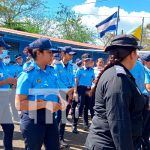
(107, 25)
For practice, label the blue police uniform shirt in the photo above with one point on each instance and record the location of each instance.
(38, 84)
(147, 78)
(85, 76)
(3, 75)
(19, 68)
(138, 73)
(28, 63)
(65, 75)
(11, 69)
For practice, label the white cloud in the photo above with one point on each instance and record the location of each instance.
(128, 20)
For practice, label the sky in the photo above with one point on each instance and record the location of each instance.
(131, 11)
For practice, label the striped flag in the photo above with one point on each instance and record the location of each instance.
(108, 25)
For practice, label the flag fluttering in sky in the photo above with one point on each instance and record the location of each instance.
(137, 32)
(107, 25)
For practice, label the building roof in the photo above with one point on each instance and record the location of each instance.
(79, 44)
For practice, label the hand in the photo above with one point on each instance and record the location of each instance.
(75, 96)
(89, 93)
(70, 97)
(70, 91)
(63, 104)
(53, 106)
(11, 81)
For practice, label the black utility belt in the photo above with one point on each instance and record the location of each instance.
(69, 87)
(88, 87)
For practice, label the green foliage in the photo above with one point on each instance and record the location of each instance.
(146, 38)
(26, 26)
(13, 10)
(71, 27)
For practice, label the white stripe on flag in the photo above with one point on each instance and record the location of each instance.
(106, 25)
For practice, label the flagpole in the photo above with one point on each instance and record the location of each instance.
(117, 20)
(142, 31)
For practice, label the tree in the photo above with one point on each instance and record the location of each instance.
(70, 26)
(12, 10)
(146, 37)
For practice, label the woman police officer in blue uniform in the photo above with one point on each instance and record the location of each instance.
(5, 115)
(117, 123)
(38, 76)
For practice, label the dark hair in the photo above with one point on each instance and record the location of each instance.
(33, 52)
(117, 55)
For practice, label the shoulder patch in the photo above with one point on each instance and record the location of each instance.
(29, 68)
(120, 70)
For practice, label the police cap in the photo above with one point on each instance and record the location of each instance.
(123, 41)
(43, 44)
(69, 50)
(145, 56)
(86, 56)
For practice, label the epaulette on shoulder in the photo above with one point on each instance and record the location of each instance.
(50, 66)
(120, 70)
(28, 62)
(28, 69)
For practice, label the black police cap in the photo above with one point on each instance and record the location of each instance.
(123, 41)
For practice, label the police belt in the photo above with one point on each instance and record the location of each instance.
(88, 87)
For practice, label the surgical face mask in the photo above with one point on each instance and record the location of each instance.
(6, 60)
(1, 56)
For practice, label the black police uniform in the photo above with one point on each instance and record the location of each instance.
(117, 124)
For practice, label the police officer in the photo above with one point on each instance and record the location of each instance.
(66, 81)
(84, 78)
(19, 64)
(99, 66)
(117, 123)
(35, 100)
(146, 114)
(5, 81)
(29, 60)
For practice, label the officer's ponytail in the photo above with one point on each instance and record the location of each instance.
(33, 52)
(117, 55)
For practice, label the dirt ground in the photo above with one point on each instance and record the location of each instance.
(76, 141)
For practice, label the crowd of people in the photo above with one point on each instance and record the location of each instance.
(43, 90)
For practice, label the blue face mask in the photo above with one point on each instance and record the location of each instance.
(1, 56)
(4, 52)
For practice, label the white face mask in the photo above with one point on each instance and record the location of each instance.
(6, 60)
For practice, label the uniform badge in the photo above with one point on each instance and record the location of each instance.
(38, 80)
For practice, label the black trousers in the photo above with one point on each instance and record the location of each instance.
(83, 105)
(36, 134)
(60, 120)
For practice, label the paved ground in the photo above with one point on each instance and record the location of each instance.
(76, 141)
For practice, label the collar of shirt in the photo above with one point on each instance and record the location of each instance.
(148, 70)
(64, 66)
(85, 68)
(39, 69)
